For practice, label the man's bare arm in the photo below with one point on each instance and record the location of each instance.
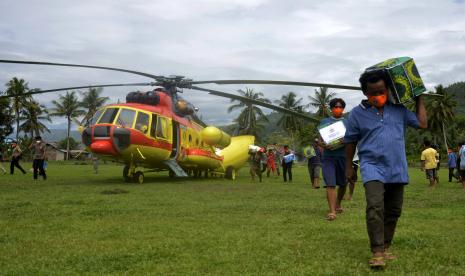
(421, 112)
(350, 152)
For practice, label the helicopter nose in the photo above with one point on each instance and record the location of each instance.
(103, 147)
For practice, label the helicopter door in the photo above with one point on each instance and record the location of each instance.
(176, 140)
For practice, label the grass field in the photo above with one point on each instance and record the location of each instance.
(77, 222)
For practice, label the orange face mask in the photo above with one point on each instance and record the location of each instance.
(379, 100)
(337, 112)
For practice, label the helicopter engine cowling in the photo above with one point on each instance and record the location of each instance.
(215, 137)
(150, 97)
(184, 108)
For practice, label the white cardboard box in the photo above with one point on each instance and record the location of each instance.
(333, 134)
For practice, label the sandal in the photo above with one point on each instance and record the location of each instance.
(389, 256)
(377, 262)
(330, 217)
(339, 210)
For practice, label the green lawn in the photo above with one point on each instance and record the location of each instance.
(73, 224)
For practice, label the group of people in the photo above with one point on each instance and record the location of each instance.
(430, 163)
(376, 128)
(38, 148)
(270, 159)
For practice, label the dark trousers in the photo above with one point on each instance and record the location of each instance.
(38, 165)
(451, 174)
(15, 163)
(384, 206)
(287, 170)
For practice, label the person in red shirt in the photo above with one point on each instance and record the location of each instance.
(271, 163)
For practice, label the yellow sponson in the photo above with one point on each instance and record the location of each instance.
(215, 137)
(237, 153)
(201, 162)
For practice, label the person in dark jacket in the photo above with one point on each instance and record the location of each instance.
(15, 157)
(287, 161)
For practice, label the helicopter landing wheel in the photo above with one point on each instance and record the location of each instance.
(138, 177)
(126, 176)
(196, 173)
(230, 173)
(171, 174)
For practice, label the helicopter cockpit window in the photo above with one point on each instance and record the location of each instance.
(126, 118)
(162, 127)
(94, 119)
(142, 122)
(109, 116)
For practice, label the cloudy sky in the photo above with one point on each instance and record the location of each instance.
(315, 41)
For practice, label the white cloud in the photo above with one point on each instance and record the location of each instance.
(317, 41)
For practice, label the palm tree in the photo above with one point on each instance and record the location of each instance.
(291, 123)
(92, 101)
(68, 106)
(440, 112)
(6, 120)
(16, 89)
(32, 115)
(321, 101)
(248, 119)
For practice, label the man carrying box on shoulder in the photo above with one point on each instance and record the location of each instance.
(377, 128)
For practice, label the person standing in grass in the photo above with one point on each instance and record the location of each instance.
(377, 128)
(459, 176)
(277, 157)
(462, 163)
(255, 163)
(271, 165)
(15, 157)
(428, 163)
(333, 163)
(314, 164)
(38, 152)
(451, 163)
(287, 161)
(1, 161)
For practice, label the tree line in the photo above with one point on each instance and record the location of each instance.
(29, 116)
(446, 118)
(446, 122)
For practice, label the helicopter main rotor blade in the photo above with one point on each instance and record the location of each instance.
(81, 65)
(82, 87)
(296, 83)
(255, 102)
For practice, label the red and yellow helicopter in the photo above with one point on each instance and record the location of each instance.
(159, 130)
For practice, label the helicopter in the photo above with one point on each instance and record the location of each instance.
(160, 131)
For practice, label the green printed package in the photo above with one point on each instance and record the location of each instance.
(406, 83)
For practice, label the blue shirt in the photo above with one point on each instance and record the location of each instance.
(339, 152)
(451, 160)
(380, 141)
